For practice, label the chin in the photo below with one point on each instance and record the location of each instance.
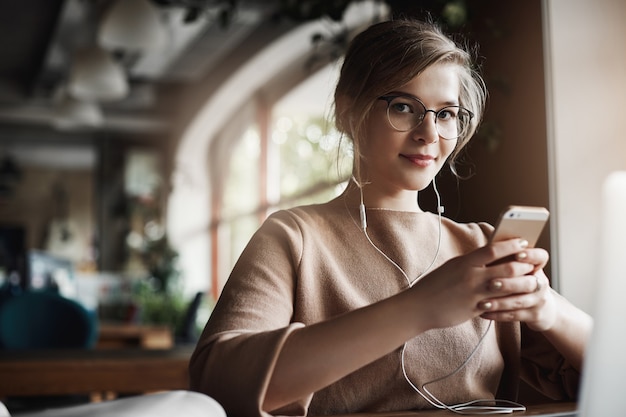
(420, 184)
(417, 186)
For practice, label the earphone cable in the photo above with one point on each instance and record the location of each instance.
(472, 407)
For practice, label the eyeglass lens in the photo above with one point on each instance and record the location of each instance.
(405, 113)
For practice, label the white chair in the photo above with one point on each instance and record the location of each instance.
(3, 411)
(162, 404)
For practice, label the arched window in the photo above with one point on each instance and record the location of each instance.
(218, 199)
(290, 156)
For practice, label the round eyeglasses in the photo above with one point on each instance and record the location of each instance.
(406, 112)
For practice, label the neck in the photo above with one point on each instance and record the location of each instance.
(372, 197)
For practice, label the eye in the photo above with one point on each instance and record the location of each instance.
(447, 113)
(400, 106)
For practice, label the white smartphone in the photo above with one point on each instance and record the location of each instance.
(525, 222)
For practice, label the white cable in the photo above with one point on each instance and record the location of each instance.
(439, 212)
(470, 407)
(439, 234)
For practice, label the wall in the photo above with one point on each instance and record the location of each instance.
(510, 152)
(586, 74)
(509, 155)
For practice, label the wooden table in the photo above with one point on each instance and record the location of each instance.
(134, 371)
(532, 410)
(61, 372)
(123, 335)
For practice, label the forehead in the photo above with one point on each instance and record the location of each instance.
(437, 84)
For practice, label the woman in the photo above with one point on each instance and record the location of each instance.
(354, 305)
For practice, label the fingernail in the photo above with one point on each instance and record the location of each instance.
(495, 285)
(521, 255)
(485, 305)
(523, 243)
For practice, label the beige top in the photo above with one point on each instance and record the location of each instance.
(311, 263)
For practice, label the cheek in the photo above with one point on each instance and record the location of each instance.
(448, 147)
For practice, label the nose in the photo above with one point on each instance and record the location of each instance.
(427, 130)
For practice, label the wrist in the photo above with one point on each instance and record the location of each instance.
(550, 315)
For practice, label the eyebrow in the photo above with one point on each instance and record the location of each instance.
(402, 93)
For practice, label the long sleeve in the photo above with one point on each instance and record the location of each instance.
(313, 263)
(545, 369)
(242, 360)
(250, 323)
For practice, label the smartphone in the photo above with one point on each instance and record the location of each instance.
(525, 222)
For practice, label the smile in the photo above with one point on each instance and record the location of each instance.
(420, 160)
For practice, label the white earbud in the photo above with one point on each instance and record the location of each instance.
(439, 205)
(363, 217)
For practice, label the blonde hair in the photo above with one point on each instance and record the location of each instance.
(388, 55)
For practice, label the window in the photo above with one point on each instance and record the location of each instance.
(300, 160)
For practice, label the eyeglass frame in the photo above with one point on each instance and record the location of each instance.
(388, 98)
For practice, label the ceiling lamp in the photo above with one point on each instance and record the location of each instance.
(132, 25)
(96, 76)
(72, 114)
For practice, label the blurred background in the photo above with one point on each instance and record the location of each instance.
(143, 141)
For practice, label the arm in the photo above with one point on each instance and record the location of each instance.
(317, 355)
(255, 355)
(570, 331)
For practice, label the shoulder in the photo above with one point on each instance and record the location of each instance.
(473, 233)
(313, 216)
(289, 231)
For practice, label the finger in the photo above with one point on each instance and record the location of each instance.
(527, 295)
(528, 315)
(534, 256)
(524, 284)
(498, 250)
(508, 316)
(510, 269)
(512, 308)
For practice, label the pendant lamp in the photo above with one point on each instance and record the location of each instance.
(132, 25)
(72, 114)
(96, 76)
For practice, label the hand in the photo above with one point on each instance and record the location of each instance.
(459, 289)
(526, 298)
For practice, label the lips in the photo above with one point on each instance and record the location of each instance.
(420, 159)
